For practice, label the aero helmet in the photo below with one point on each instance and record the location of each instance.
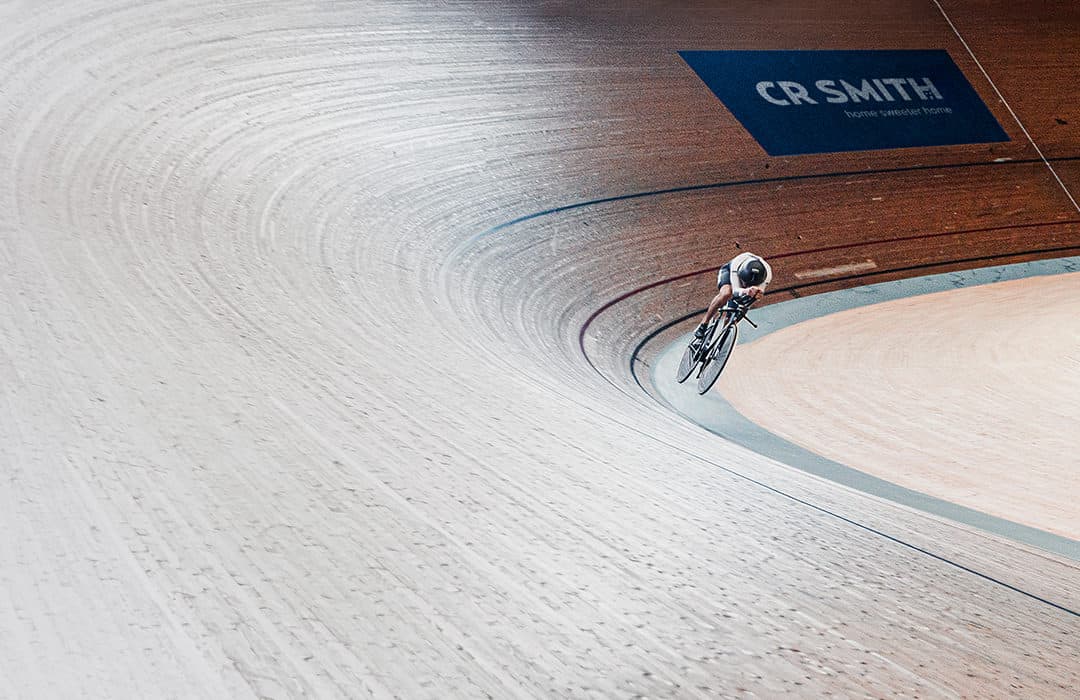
(752, 272)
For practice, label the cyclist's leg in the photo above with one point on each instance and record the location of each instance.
(722, 297)
(723, 285)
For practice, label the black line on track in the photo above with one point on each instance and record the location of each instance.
(768, 180)
(875, 531)
(773, 489)
(719, 185)
(793, 289)
(801, 501)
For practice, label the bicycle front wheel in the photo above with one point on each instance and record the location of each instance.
(717, 359)
(688, 363)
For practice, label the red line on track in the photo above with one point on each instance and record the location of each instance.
(924, 236)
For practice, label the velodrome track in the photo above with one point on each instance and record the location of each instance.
(323, 323)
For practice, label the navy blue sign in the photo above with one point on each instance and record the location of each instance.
(796, 102)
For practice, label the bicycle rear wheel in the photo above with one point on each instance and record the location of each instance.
(717, 359)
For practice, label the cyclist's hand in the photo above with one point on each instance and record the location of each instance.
(754, 292)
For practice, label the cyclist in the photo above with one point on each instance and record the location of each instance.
(744, 278)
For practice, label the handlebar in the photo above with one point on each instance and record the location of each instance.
(735, 304)
(740, 307)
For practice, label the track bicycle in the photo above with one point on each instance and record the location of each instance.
(709, 355)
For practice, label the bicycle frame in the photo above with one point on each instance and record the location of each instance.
(735, 312)
(699, 353)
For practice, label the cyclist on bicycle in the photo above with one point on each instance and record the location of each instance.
(744, 278)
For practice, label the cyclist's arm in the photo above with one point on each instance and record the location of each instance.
(736, 285)
(743, 295)
(748, 293)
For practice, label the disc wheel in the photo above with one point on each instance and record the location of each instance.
(717, 358)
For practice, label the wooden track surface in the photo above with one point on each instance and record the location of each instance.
(295, 402)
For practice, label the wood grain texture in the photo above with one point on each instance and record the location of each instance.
(289, 407)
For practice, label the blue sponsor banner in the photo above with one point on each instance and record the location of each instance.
(797, 102)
